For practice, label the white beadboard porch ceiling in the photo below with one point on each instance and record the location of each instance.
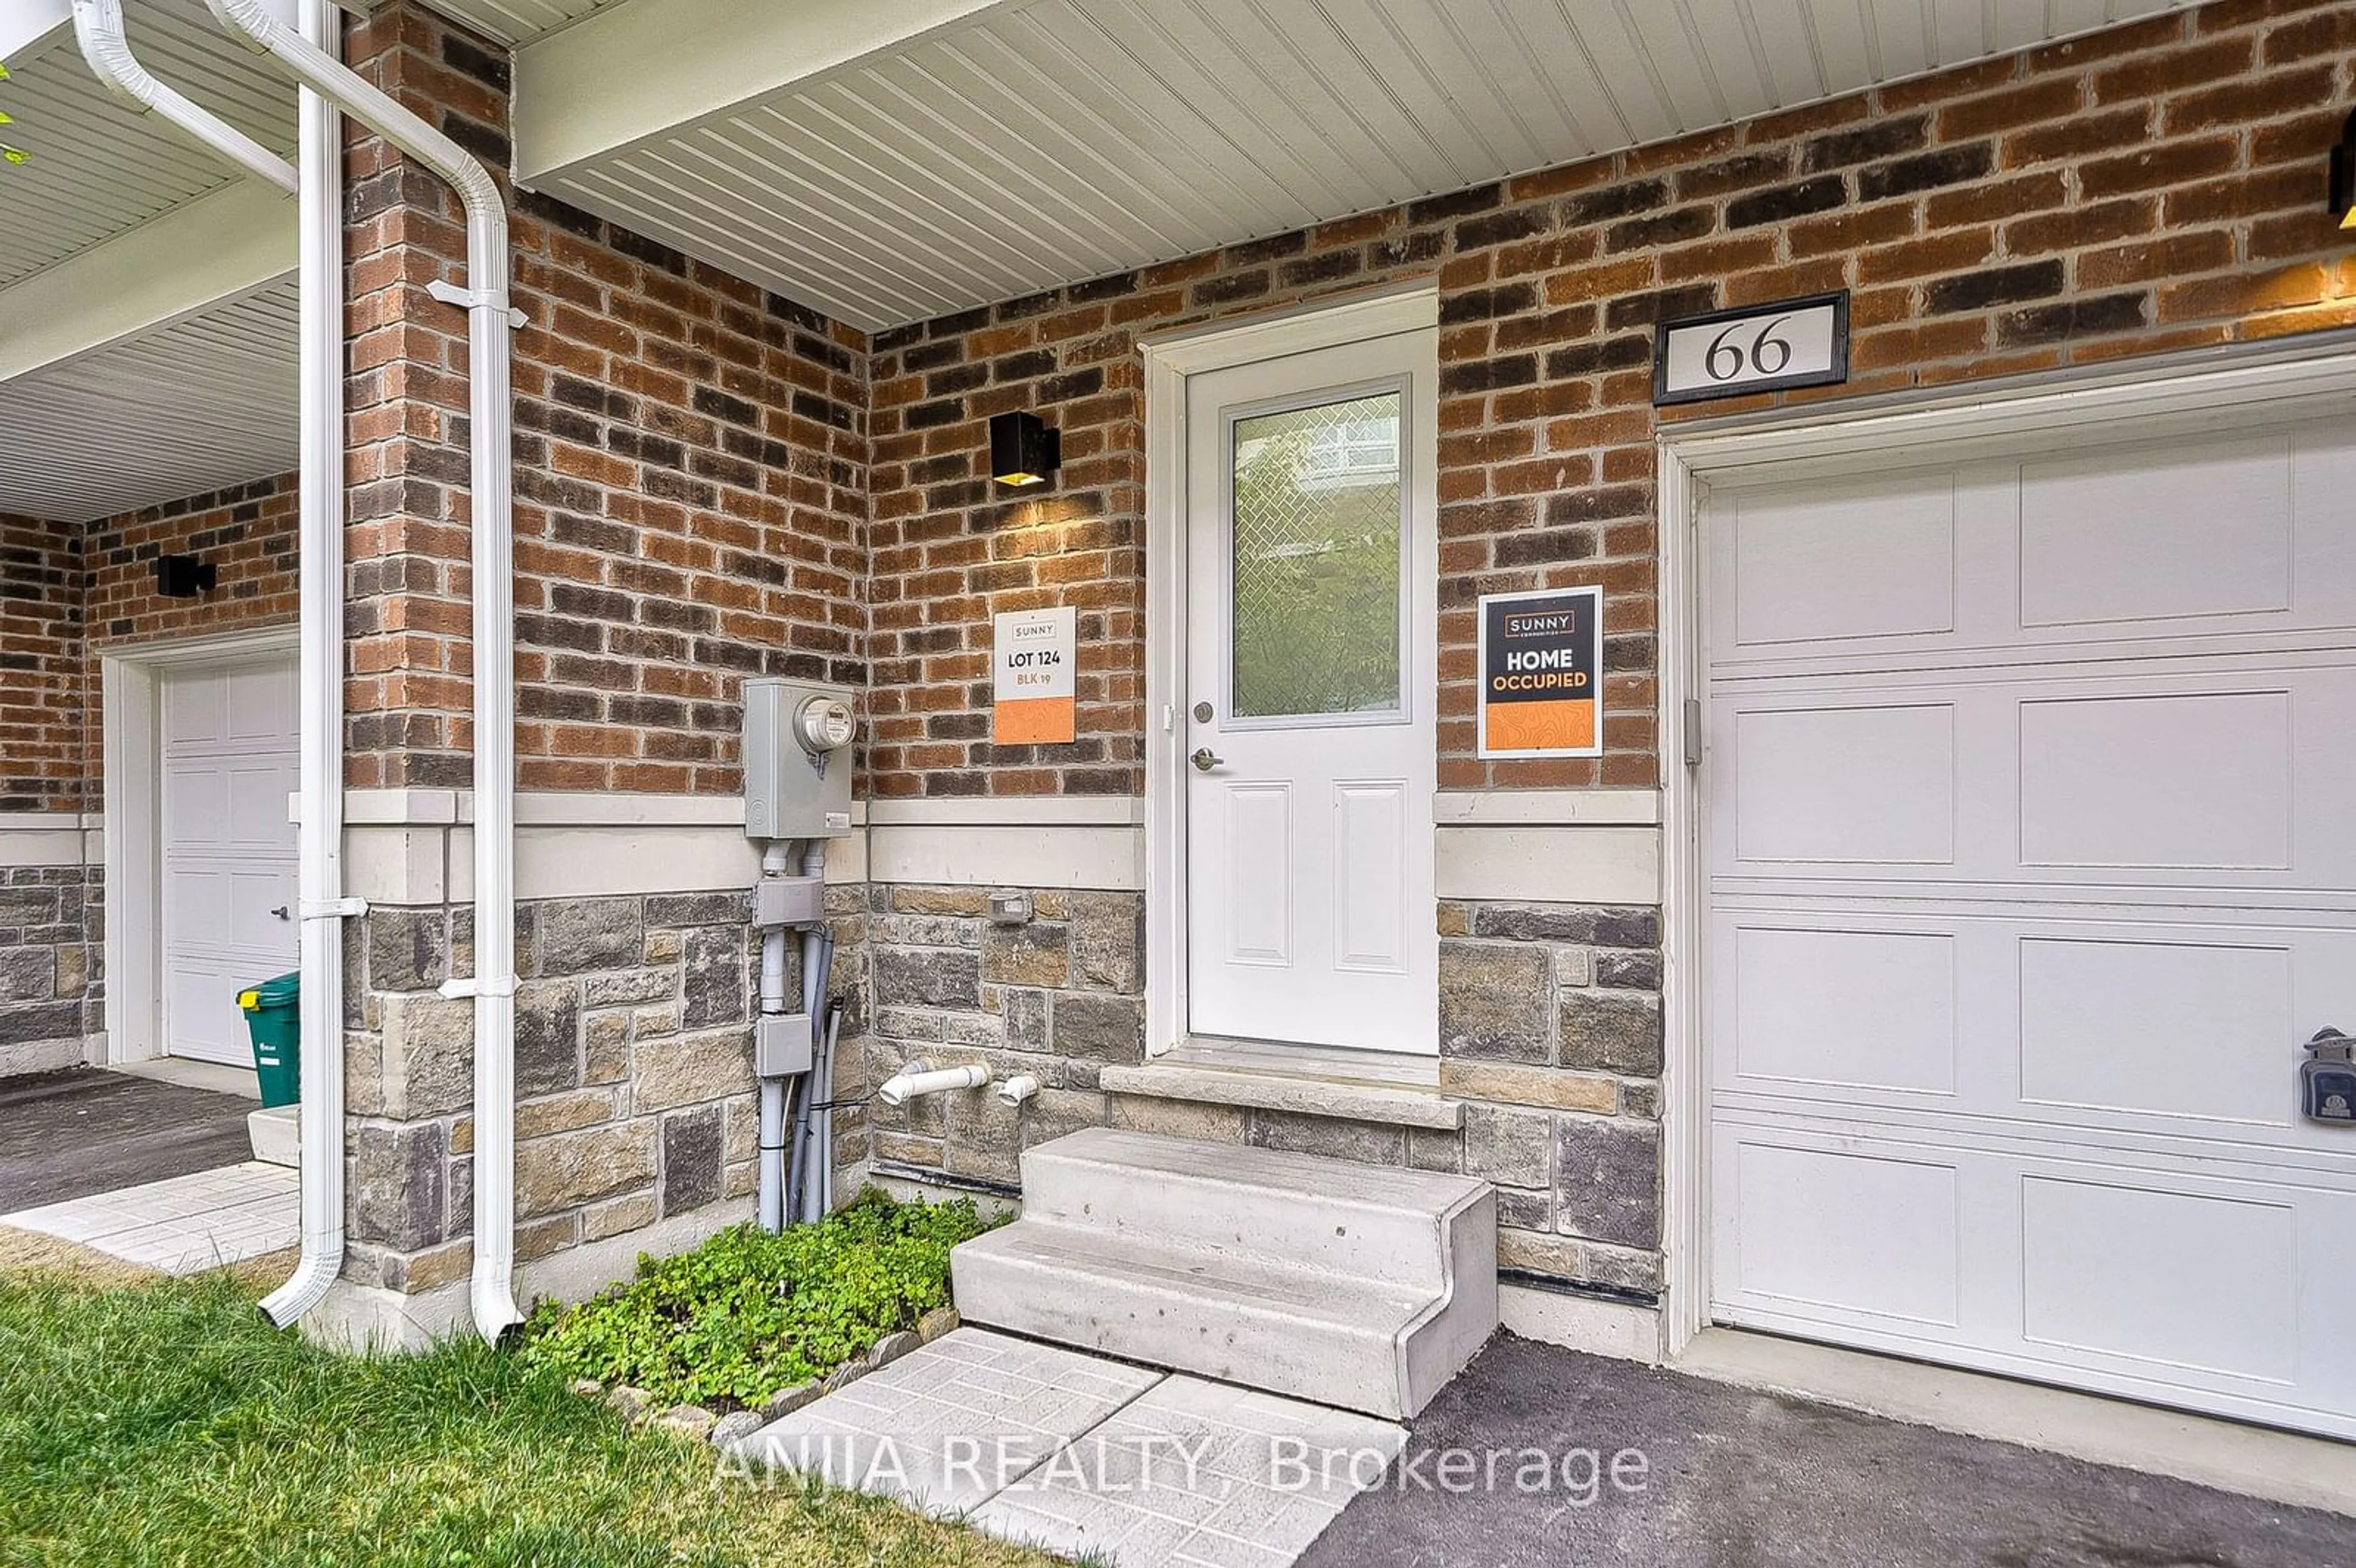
(98, 169)
(1031, 143)
(203, 404)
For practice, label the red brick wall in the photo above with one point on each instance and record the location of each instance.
(691, 473)
(2156, 187)
(71, 592)
(41, 697)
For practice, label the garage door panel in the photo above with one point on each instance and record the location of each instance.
(2161, 774)
(2198, 1030)
(1867, 561)
(2108, 538)
(1848, 785)
(2188, 1280)
(1862, 1234)
(2162, 1283)
(2159, 1033)
(2190, 781)
(2237, 537)
(1836, 1009)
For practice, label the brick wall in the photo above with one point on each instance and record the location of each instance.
(41, 678)
(690, 472)
(2155, 187)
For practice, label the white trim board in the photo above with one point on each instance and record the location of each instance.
(130, 686)
(2314, 382)
(1169, 358)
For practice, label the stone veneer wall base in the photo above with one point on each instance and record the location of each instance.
(355, 1316)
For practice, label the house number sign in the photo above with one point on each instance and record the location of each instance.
(1758, 348)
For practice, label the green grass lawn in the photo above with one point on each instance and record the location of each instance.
(166, 1423)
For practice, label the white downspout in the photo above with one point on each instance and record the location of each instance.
(98, 29)
(321, 865)
(490, 318)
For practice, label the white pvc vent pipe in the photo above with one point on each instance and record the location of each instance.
(490, 409)
(916, 1079)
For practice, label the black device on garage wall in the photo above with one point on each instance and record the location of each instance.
(185, 576)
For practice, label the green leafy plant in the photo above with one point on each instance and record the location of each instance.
(748, 1313)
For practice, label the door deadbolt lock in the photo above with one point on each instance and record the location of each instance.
(1204, 759)
(1202, 713)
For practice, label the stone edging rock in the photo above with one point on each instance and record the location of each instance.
(700, 1424)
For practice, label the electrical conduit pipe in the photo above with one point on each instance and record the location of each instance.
(774, 858)
(490, 409)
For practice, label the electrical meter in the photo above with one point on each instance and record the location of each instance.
(797, 738)
(823, 724)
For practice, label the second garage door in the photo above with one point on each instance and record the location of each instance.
(2032, 861)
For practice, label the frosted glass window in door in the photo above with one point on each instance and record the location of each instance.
(1315, 572)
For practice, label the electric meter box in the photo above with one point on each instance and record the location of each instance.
(797, 738)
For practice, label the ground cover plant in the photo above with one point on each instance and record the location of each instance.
(164, 1423)
(747, 1313)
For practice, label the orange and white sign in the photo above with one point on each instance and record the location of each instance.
(1032, 657)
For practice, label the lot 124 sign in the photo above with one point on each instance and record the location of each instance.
(1542, 674)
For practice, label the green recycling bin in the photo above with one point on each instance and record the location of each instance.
(274, 1016)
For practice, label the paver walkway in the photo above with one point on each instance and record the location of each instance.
(182, 1225)
(1081, 1454)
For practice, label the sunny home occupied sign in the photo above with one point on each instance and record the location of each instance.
(1541, 673)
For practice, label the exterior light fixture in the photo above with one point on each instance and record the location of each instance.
(184, 576)
(2343, 176)
(1023, 451)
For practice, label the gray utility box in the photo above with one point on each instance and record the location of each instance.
(797, 738)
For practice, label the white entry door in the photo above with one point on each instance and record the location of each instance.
(230, 761)
(2031, 821)
(1310, 542)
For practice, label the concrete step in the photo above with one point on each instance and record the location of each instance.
(1352, 1286)
(1376, 1221)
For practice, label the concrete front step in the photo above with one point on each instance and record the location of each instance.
(1303, 1209)
(1352, 1286)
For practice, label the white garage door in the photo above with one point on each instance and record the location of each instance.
(231, 759)
(2031, 847)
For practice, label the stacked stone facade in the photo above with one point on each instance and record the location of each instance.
(52, 963)
(1058, 997)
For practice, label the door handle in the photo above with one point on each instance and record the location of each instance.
(282, 912)
(1204, 759)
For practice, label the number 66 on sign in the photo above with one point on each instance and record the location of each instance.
(1758, 348)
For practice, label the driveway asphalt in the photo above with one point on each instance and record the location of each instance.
(1734, 1478)
(85, 1131)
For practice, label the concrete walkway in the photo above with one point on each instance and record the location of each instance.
(1711, 1476)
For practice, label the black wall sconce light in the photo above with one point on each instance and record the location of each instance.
(184, 576)
(2343, 176)
(1023, 451)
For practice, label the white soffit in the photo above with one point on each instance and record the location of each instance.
(201, 404)
(97, 168)
(1030, 143)
(511, 21)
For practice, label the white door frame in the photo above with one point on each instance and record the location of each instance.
(1169, 358)
(2311, 380)
(130, 683)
